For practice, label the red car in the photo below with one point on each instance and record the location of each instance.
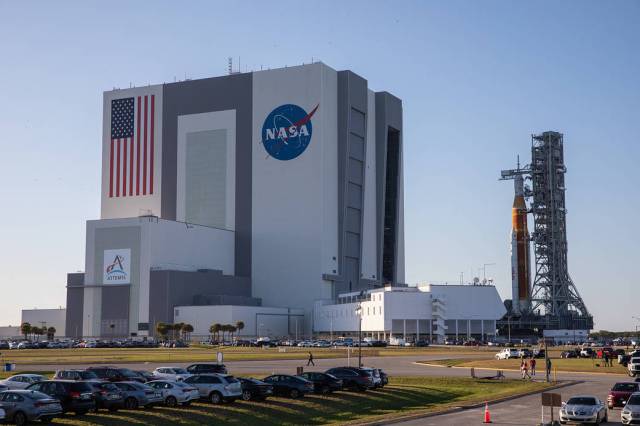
(620, 393)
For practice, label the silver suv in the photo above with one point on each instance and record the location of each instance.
(216, 387)
(634, 366)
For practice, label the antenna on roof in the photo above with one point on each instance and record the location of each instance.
(230, 65)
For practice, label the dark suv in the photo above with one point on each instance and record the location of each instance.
(353, 377)
(73, 396)
(113, 374)
(207, 369)
(78, 375)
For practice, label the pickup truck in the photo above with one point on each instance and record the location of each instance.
(634, 366)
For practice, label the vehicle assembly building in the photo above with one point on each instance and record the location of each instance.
(269, 189)
(551, 304)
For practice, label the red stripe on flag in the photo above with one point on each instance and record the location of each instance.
(153, 98)
(111, 171)
(131, 166)
(144, 163)
(124, 167)
(118, 170)
(138, 153)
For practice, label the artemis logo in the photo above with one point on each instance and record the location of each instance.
(287, 131)
(117, 266)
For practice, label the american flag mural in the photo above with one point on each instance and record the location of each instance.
(132, 149)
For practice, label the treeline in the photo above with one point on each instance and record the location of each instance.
(174, 331)
(217, 328)
(605, 334)
(35, 332)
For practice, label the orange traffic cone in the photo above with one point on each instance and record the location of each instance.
(487, 413)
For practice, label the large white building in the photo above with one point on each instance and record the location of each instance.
(269, 189)
(429, 312)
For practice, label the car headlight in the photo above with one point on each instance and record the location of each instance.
(626, 412)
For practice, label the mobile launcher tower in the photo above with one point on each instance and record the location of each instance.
(551, 306)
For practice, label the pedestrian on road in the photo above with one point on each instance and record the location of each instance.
(533, 366)
(548, 366)
(310, 361)
(524, 369)
(605, 357)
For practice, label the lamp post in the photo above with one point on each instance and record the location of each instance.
(359, 313)
(637, 319)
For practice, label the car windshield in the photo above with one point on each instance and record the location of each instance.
(583, 400)
(180, 384)
(180, 371)
(625, 387)
(634, 400)
(231, 379)
(35, 395)
(88, 375)
(127, 373)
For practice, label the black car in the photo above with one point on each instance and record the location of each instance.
(323, 383)
(113, 374)
(207, 369)
(353, 377)
(107, 396)
(78, 375)
(73, 396)
(384, 378)
(145, 375)
(292, 386)
(254, 389)
(569, 354)
(539, 353)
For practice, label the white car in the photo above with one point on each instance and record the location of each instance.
(508, 353)
(175, 374)
(175, 393)
(217, 388)
(584, 409)
(631, 411)
(21, 381)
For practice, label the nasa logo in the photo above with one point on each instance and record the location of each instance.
(287, 131)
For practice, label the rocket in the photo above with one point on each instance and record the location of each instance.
(520, 264)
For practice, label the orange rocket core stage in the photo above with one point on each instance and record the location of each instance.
(521, 232)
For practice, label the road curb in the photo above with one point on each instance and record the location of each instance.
(594, 373)
(467, 407)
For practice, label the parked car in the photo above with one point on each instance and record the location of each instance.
(631, 411)
(508, 353)
(254, 389)
(539, 353)
(292, 386)
(78, 375)
(353, 377)
(570, 354)
(634, 366)
(207, 369)
(323, 383)
(175, 374)
(73, 396)
(107, 396)
(145, 375)
(584, 409)
(21, 381)
(174, 392)
(620, 393)
(600, 352)
(138, 394)
(624, 360)
(114, 374)
(375, 377)
(587, 353)
(217, 388)
(383, 377)
(22, 406)
(525, 353)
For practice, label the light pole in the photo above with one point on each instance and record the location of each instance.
(484, 271)
(637, 319)
(359, 313)
(509, 326)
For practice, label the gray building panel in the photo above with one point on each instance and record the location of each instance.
(75, 302)
(208, 95)
(169, 289)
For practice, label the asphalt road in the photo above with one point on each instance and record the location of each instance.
(521, 411)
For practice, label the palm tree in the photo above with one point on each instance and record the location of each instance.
(25, 329)
(51, 332)
(36, 331)
(162, 329)
(187, 329)
(177, 328)
(232, 329)
(215, 329)
(239, 326)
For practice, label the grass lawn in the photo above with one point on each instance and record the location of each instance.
(571, 364)
(203, 354)
(402, 396)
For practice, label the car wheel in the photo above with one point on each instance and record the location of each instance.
(325, 390)
(81, 412)
(113, 409)
(606, 417)
(46, 420)
(294, 393)
(171, 401)
(20, 418)
(215, 398)
(246, 395)
(130, 403)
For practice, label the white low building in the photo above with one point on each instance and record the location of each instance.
(46, 318)
(259, 321)
(428, 312)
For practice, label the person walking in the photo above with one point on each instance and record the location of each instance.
(522, 368)
(605, 358)
(548, 366)
(533, 366)
(526, 369)
(310, 361)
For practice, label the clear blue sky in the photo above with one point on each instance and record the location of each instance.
(476, 78)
